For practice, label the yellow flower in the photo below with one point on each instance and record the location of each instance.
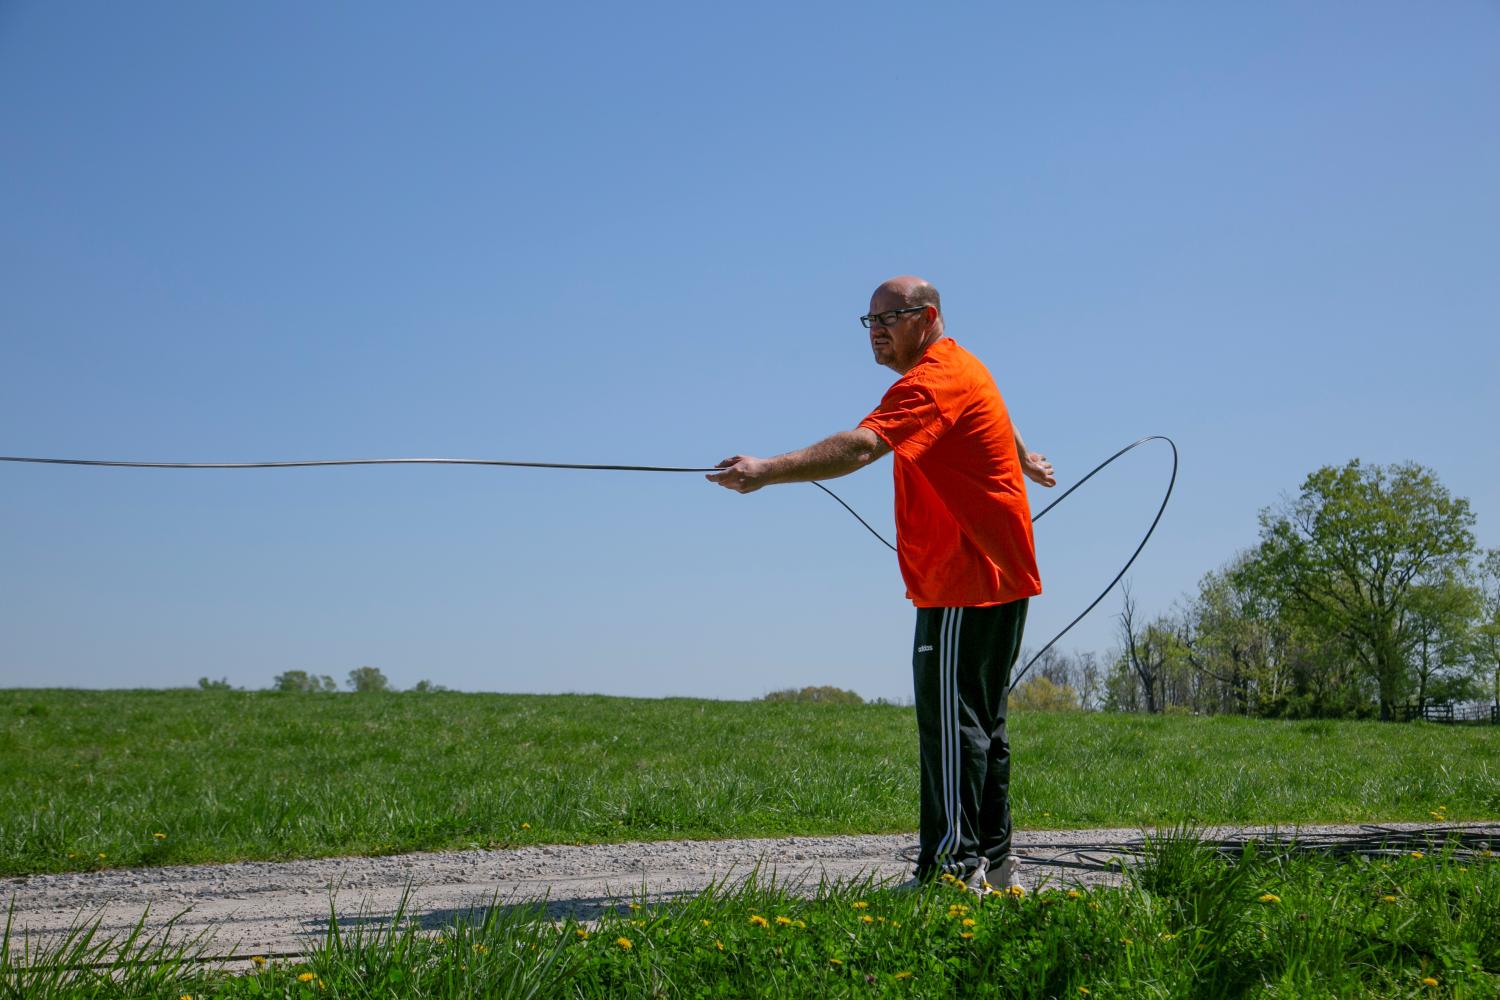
(759, 921)
(1074, 894)
(481, 949)
(186, 996)
(967, 935)
(1167, 937)
(867, 919)
(624, 942)
(784, 921)
(1417, 855)
(582, 934)
(718, 944)
(1387, 899)
(1429, 981)
(306, 977)
(1015, 890)
(707, 923)
(903, 975)
(101, 857)
(258, 959)
(968, 921)
(860, 904)
(159, 836)
(319, 984)
(835, 961)
(1269, 897)
(526, 826)
(634, 907)
(1083, 991)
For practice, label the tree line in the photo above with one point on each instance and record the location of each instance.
(1366, 592)
(360, 680)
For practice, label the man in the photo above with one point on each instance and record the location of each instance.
(964, 544)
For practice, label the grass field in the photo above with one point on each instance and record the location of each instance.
(94, 779)
(1187, 924)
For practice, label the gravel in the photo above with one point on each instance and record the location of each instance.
(266, 908)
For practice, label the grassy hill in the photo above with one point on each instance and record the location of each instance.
(118, 778)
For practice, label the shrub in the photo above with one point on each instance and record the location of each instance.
(1041, 695)
(303, 682)
(827, 695)
(364, 679)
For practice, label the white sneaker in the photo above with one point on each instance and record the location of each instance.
(1008, 877)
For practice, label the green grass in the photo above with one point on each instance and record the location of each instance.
(89, 778)
(1187, 924)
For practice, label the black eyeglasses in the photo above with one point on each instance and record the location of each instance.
(887, 318)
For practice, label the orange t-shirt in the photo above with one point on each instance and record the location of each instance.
(963, 524)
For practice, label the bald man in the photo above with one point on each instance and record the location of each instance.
(964, 544)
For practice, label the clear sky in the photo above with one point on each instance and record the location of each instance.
(642, 234)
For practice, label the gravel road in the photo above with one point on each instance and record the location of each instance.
(262, 908)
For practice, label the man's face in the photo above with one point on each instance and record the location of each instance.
(899, 345)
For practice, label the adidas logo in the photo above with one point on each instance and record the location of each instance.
(924, 649)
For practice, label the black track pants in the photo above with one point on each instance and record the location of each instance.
(961, 672)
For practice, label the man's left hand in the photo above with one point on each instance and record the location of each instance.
(1038, 469)
(742, 473)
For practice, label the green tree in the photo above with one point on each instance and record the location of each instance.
(826, 694)
(427, 687)
(363, 679)
(1041, 694)
(1347, 555)
(1486, 635)
(222, 684)
(303, 682)
(1443, 618)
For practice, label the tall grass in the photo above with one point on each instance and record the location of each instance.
(1187, 923)
(92, 779)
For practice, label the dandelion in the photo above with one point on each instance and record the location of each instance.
(1074, 894)
(635, 907)
(526, 826)
(1417, 855)
(1015, 891)
(860, 904)
(625, 943)
(1093, 905)
(784, 921)
(1387, 899)
(101, 857)
(306, 977)
(1429, 981)
(707, 923)
(186, 996)
(969, 921)
(583, 935)
(1268, 897)
(835, 961)
(867, 919)
(1167, 937)
(638, 923)
(967, 935)
(803, 924)
(759, 921)
(319, 984)
(480, 949)
(903, 975)
(1084, 991)
(718, 944)
(259, 960)
(159, 836)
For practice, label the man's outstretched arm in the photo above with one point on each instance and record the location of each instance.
(836, 455)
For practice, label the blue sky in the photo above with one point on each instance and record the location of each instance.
(599, 233)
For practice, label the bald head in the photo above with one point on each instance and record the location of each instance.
(909, 290)
(911, 321)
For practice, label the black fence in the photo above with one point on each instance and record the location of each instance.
(1474, 712)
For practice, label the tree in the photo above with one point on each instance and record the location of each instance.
(1443, 616)
(1486, 635)
(427, 687)
(365, 679)
(1346, 555)
(302, 682)
(222, 684)
(1148, 651)
(825, 695)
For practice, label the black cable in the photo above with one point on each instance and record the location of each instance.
(1037, 517)
(654, 468)
(352, 461)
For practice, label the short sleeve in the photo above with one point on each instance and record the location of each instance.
(907, 419)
